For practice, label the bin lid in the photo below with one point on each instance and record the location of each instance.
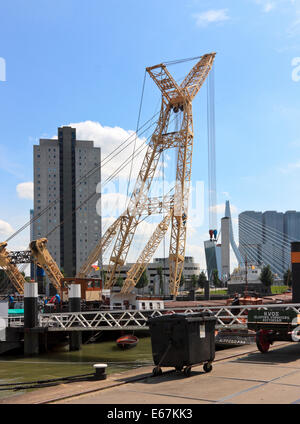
(194, 316)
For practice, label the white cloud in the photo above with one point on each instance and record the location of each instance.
(268, 5)
(5, 229)
(113, 204)
(294, 28)
(226, 194)
(290, 167)
(211, 16)
(109, 138)
(25, 190)
(220, 209)
(295, 143)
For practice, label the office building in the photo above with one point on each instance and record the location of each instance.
(190, 268)
(66, 174)
(264, 238)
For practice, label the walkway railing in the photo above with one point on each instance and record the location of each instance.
(233, 317)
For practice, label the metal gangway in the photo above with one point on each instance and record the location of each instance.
(228, 317)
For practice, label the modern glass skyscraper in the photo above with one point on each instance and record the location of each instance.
(265, 237)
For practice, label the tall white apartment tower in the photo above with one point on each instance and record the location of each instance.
(67, 170)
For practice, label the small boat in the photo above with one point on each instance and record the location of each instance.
(127, 341)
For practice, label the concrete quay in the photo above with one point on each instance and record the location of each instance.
(240, 375)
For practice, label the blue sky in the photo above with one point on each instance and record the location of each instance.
(71, 61)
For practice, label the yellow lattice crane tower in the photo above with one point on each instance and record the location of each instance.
(175, 98)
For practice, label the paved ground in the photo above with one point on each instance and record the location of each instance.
(239, 375)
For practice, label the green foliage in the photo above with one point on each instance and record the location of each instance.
(143, 281)
(182, 280)
(215, 278)
(194, 281)
(287, 278)
(119, 282)
(161, 283)
(202, 279)
(279, 289)
(266, 276)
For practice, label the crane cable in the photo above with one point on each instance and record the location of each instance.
(212, 195)
(88, 174)
(137, 125)
(176, 62)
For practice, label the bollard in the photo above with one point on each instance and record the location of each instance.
(295, 259)
(74, 306)
(206, 290)
(100, 371)
(31, 339)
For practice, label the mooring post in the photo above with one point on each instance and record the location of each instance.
(295, 259)
(74, 306)
(206, 290)
(31, 338)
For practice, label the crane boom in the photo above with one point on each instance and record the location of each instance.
(42, 258)
(191, 85)
(137, 269)
(99, 248)
(174, 99)
(132, 216)
(198, 74)
(11, 270)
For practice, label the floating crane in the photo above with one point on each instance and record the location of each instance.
(175, 98)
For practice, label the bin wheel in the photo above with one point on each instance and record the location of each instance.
(262, 341)
(207, 367)
(187, 371)
(157, 371)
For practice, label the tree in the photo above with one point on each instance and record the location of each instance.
(202, 280)
(119, 282)
(161, 283)
(194, 281)
(143, 281)
(266, 276)
(287, 278)
(215, 278)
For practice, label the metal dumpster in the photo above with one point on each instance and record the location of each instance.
(183, 340)
(274, 324)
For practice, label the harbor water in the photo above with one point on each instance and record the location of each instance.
(63, 363)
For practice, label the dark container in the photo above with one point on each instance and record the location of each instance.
(295, 260)
(183, 340)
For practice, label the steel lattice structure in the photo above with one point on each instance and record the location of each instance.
(134, 319)
(174, 98)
